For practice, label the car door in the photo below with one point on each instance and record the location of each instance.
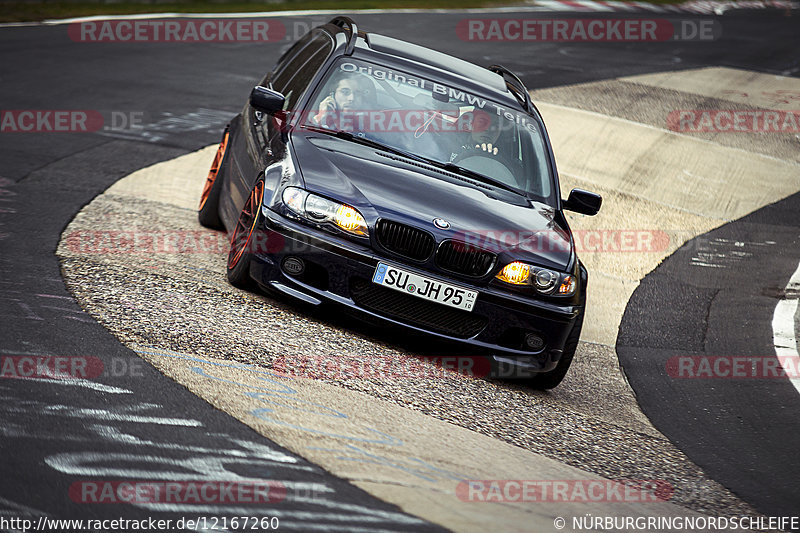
(294, 80)
(259, 142)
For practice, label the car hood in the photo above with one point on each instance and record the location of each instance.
(382, 185)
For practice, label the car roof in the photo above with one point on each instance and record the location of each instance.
(414, 53)
(415, 58)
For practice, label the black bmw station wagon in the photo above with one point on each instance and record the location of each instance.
(410, 187)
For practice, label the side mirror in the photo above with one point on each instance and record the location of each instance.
(584, 202)
(266, 100)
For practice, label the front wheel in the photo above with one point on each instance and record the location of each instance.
(551, 379)
(208, 211)
(242, 240)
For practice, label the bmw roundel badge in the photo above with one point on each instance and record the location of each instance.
(441, 223)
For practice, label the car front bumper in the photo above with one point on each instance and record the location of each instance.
(338, 270)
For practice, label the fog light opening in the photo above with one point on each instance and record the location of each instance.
(294, 266)
(534, 341)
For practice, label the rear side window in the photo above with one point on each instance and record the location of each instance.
(294, 76)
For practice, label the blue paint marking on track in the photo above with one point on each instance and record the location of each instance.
(372, 458)
(261, 397)
(390, 440)
(260, 412)
(286, 388)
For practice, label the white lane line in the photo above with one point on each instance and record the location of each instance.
(615, 5)
(649, 7)
(591, 5)
(783, 330)
(80, 382)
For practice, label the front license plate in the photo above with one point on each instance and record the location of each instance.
(423, 287)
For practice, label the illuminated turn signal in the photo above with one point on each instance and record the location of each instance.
(516, 273)
(567, 285)
(350, 220)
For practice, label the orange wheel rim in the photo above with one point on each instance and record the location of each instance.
(246, 225)
(212, 173)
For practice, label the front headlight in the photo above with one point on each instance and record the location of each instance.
(295, 199)
(544, 280)
(321, 210)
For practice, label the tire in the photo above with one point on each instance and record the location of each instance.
(551, 379)
(240, 253)
(208, 211)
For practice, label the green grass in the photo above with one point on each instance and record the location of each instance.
(32, 11)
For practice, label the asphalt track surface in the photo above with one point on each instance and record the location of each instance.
(54, 434)
(716, 297)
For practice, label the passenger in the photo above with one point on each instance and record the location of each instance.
(352, 92)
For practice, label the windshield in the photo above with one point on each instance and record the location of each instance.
(443, 124)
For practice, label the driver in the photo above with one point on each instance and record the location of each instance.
(489, 150)
(483, 136)
(352, 92)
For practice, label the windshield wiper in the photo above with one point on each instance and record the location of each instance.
(346, 135)
(480, 177)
